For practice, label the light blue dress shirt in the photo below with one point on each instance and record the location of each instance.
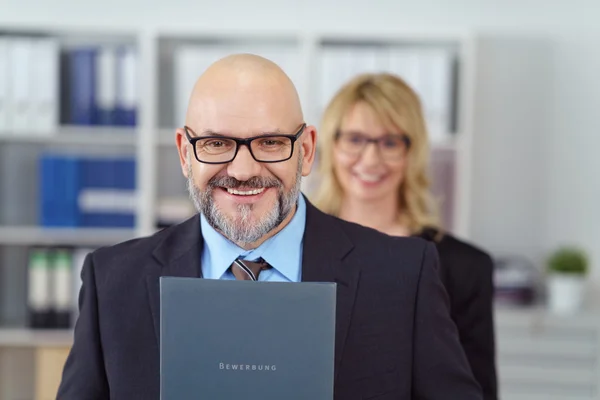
(282, 251)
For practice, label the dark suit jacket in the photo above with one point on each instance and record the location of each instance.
(467, 274)
(394, 335)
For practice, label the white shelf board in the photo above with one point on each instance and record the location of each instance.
(180, 32)
(62, 28)
(394, 36)
(42, 236)
(77, 135)
(539, 316)
(24, 337)
(166, 137)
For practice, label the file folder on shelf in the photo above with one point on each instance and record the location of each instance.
(45, 75)
(78, 191)
(127, 87)
(107, 195)
(82, 96)
(59, 190)
(106, 86)
(20, 58)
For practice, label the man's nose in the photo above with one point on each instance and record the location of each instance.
(243, 166)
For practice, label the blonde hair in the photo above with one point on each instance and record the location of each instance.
(393, 100)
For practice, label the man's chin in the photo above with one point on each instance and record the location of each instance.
(244, 222)
(243, 231)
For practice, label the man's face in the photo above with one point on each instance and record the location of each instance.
(245, 218)
(245, 199)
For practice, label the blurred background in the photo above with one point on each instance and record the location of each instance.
(91, 92)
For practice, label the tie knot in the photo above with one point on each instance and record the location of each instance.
(248, 270)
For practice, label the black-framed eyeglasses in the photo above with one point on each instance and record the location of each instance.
(219, 149)
(391, 147)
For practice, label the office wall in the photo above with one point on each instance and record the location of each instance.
(573, 213)
(279, 14)
(538, 130)
(512, 116)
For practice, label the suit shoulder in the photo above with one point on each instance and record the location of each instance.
(130, 250)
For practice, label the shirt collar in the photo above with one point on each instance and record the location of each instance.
(282, 251)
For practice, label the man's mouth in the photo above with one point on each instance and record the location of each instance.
(245, 192)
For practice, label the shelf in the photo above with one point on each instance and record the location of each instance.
(77, 135)
(31, 236)
(450, 141)
(538, 316)
(209, 36)
(394, 35)
(24, 337)
(127, 137)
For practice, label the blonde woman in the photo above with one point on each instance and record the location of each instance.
(373, 165)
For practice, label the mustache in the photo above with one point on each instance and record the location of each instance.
(256, 182)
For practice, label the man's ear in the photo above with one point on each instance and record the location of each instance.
(183, 149)
(309, 147)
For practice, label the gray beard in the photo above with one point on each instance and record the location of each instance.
(241, 229)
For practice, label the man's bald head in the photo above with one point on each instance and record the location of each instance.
(249, 191)
(243, 86)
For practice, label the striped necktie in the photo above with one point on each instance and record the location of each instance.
(248, 270)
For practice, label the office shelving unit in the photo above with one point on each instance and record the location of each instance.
(153, 136)
(546, 356)
(30, 360)
(162, 80)
(81, 237)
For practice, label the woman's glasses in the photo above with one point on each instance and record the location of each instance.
(391, 147)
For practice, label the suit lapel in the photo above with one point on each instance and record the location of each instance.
(178, 254)
(324, 248)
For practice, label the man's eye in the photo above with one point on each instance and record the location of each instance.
(214, 143)
(271, 142)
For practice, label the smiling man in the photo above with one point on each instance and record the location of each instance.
(244, 149)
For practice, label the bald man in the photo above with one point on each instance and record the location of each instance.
(244, 149)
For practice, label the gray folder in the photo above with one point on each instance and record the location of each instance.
(246, 340)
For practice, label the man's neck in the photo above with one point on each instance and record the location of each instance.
(382, 215)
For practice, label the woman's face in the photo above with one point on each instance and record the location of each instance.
(368, 170)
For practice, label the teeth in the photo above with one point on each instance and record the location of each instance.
(369, 178)
(245, 193)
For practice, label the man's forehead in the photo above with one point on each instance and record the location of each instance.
(245, 101)
(223, 129)
(229, 117)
